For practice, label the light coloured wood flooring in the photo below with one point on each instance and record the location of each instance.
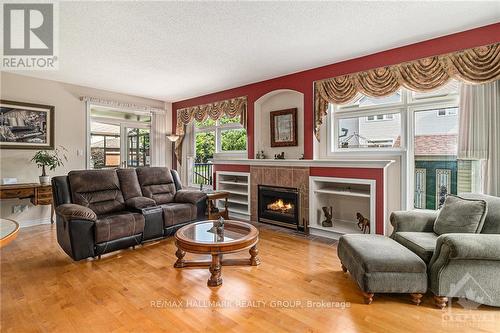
(299, 287)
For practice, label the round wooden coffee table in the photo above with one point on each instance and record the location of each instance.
(202, 238)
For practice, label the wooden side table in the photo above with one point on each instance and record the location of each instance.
(213, 212)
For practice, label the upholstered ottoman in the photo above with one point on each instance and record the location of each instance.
(382, 265)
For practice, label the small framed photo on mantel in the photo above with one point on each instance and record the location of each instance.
(26, 125)
(284, 128)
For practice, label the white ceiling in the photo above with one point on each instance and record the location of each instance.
(172, 51)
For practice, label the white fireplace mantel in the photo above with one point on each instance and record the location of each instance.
(332, 163)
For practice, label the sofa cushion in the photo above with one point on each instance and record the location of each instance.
(129, 183)
(118, 225)
(492, 220)
(421, 243)
(156, 183)
(98, 190)
(459, 215)
(177, 213)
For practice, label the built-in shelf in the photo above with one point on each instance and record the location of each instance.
(232, 183)
(237, 184)
(232, 191)
(346, 192)
(347, 196)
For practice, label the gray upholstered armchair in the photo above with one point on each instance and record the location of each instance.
(465, 265)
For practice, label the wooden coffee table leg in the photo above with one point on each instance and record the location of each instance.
(180, 258)
(215, 271)
(254, 259)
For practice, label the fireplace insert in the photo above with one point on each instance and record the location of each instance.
(278, 205)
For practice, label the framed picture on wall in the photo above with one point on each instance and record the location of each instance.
(284, 128)
(26, 125)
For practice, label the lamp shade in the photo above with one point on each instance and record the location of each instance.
(173, 137)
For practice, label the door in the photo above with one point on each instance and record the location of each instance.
(420, 185)
(137, 147)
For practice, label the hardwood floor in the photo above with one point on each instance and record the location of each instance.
(43, 290)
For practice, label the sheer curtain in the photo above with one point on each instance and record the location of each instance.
(158, 138)
(479, 131)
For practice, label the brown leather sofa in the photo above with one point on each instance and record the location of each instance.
(99, 211)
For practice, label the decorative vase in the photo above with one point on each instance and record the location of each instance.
(44, 180)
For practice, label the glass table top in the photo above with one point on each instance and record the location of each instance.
(7, 227)
(205, 232)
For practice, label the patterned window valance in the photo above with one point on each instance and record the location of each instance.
(231, 108)
(473, 66)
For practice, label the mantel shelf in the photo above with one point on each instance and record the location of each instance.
(341, 163)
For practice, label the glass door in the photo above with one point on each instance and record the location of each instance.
(138, 148)
(105, 145)
(117, 138)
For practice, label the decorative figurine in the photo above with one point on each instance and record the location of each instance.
(302, 157)
(280, 156)
(327, 222)
(363, 223)
(219, 226)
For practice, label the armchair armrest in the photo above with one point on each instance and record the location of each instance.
(140, 202)
(75, 212)
(468, 246)
(413, 220)
(189, 196)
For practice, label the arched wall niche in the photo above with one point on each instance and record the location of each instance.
(272, 101)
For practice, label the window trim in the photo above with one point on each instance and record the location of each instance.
(407, 107)
(217, 129)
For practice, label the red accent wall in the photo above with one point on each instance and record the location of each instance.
(303, 81)
(360, 173)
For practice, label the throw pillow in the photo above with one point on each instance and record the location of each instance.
(459, 215)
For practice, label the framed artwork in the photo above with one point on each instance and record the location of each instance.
(284, 128)
(26, 125)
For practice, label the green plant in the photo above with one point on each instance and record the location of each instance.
(50, 158)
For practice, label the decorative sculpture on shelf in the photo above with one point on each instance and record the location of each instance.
(363, 223)
(327, 222)
(280, 156)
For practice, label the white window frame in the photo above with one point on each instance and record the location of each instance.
(407, 108)
(218, 129)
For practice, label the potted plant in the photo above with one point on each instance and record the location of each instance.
(51, 159)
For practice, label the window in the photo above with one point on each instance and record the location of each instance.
(421, 127)
(224, 136)
(374, 131)
(118, 138)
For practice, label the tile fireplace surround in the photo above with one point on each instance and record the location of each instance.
(295, 177)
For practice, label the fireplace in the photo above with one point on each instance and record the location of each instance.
(278, 205)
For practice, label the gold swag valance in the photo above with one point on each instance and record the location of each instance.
(474, 66)
(231, 108)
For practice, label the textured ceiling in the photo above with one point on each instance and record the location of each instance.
(172, 51)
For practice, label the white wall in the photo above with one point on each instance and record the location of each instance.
(70, 132)
(273, 101)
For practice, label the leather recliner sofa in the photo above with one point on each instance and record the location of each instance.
(100, 211)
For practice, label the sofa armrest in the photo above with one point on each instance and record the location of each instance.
(140, 202)
(413, 220)
(468, 246)
(76, 212)
(189, 196)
